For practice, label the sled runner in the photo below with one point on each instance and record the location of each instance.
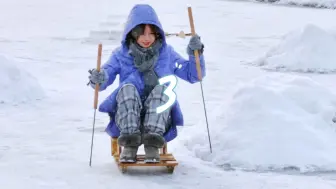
(166, 159)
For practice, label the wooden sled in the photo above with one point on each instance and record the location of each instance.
(166, 159)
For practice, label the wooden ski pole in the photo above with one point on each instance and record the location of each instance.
(199, 71)
(95, 103)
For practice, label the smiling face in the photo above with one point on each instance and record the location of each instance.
(147, 38)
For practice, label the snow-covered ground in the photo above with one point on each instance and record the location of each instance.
(46, 143)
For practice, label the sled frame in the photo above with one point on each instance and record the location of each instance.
(166, 159)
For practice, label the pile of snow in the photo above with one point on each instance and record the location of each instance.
(273, 123)
(16, 85)
(310, 49)
(330, 4)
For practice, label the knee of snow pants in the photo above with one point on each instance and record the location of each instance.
(156, 122)
(129, 107)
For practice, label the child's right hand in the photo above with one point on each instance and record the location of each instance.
(97, 77)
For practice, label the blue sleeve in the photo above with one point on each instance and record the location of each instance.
(111, 69)
(186, 69)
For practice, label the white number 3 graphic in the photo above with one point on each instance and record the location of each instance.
(169, 92)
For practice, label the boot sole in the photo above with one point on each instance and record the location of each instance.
(127, 161)
(152, 161)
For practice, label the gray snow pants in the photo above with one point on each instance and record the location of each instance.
(134, 116)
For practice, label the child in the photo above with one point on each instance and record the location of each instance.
(142, 59)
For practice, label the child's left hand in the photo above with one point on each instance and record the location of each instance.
(195, 44)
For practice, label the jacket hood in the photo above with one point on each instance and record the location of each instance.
(142, 14)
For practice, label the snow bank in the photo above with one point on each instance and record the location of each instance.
(310, 49)
(16, 85)
(273, 123)
(330, 4)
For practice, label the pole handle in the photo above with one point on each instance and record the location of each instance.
(98, 69)
(192, 27)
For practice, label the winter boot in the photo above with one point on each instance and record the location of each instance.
(131, 144)
(152, 144)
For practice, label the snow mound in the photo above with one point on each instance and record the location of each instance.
(330, 4)
(310, 49)
(16, 85)
(273, 123)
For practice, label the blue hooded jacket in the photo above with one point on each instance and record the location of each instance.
(169, 63)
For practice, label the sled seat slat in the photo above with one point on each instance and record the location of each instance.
(164, 159)
(141, 163)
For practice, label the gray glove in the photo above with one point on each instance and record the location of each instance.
(195, 44)
(97, 77)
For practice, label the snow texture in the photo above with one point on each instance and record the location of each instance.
(274, 123)
(17, 85)
(309, 49)
(330, 4)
